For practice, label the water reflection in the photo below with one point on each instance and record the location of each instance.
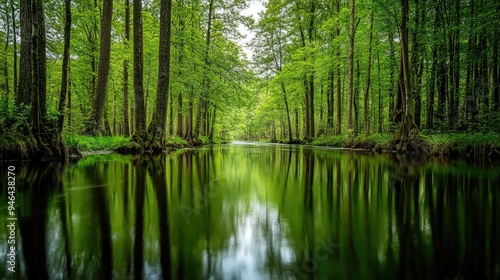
(256, 212)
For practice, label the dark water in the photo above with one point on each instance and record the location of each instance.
(255, 212)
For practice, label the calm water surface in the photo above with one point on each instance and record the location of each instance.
(248, 211)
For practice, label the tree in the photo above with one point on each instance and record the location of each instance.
(404, 80)
(368, 79)
(65, 64)
(140, 111)
(156, 129)
(25, 64)
(352, 33)
(94, 124)
(126, 125)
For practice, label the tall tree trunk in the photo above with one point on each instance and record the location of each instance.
(212, 125)
(14, 43)
(180, 111)
(139, 108)
(156, 129)
(25, 64)
(380, 105)
(355, 101)
(94, 125)
(39, 87)
(368, 79)
(70, 85)
(339, 92)
(204, 87)
(189, 120)
(297, 129)
(126, 124)
(454, 70)
(171, 117)
(496, 68)
(392, 71)
(6, 64)
(65, 64)
(330, 99)
(180, 133)
(429, 122)
(311, 31)
(283, 89)
(350, 89)
(470, 87)
(417, 61)
(404, 82)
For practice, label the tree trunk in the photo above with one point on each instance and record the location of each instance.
(189, 119)
(171, 117)
(429, 122)
(311, 31)
(330, 100)
(204, 87)
(368, 79)
(351, 66)
(6, 64)
(94, 125)
(392, 85)
(417, 62)
(70, 85)
(496, 70)
(405, 83)
(355, 101)
(380, 105)
(156, 129)
(65, 63)
(140, 110)
(25, 65)
(212, 126)
(179, 115)
(297, 130)
(283, 89)
(126, 124)
(14, 43)
(39, 87)
(339, 92)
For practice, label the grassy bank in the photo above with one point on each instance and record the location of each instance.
(464, 144)
(88, 144)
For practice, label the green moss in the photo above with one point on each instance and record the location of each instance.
(100, 143)
(176, 141)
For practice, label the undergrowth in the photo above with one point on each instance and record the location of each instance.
(99, 143)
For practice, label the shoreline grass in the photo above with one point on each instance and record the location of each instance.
(467, 144)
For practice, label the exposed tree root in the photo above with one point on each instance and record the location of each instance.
(148, 144)
(413, 143)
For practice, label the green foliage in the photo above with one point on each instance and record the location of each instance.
(466, 141)
(14, 124)
(87, 143)
(176, 141)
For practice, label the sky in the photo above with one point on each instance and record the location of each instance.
(253, 10)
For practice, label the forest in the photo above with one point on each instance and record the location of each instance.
(158, 73)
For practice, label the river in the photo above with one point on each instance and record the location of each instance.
(254, 211)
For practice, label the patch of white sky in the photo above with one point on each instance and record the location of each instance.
(255, 7)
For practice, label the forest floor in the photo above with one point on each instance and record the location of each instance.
(480, 145)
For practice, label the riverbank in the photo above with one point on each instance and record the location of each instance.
(476, 145)
(102, 145)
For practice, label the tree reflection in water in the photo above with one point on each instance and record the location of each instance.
(260, 211)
